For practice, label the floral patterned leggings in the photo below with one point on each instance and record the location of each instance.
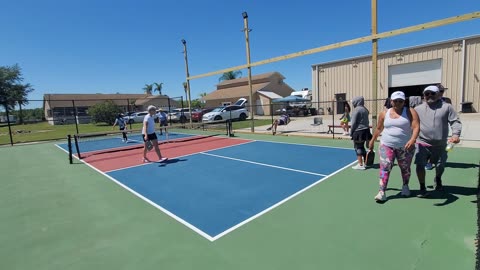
(387, 157)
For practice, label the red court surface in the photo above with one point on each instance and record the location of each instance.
(118, 160)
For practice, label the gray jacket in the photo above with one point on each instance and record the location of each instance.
(359, 115)
(434, 120)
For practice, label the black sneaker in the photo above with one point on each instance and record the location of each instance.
(422, 193)
(438, 184)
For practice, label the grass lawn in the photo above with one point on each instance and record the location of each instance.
(44, 131)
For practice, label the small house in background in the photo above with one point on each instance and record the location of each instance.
(68, 108)
(265, 88)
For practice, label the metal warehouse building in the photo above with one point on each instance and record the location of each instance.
(453, 63)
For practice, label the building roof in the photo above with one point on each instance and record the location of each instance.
(265, 77)
(269, 94)
(235, 91)
(399, 50)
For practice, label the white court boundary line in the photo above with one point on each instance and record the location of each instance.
(231, 229)
(170, 214)
(262, 164)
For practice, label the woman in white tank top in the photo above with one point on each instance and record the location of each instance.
(399, 127)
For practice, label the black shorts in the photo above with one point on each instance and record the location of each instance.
(163, 123)
(122, 128)
(362, 135)
(151, 137)
(281, 122)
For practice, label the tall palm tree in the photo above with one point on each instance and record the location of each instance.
(148, 89)
(231, 75)
(185, 85)
(158, 88)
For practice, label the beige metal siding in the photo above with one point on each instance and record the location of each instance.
(354, 76)
(472, 73)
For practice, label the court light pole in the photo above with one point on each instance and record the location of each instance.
(188, 80)
(247, 44)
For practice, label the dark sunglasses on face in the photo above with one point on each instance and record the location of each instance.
(429, 94)
(398, 100)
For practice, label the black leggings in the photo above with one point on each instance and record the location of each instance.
(359, 147)
(124, 134)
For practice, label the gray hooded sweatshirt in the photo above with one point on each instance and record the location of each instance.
(359, 115)
(434, 120)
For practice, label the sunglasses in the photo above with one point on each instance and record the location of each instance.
(429, 94)
(398, 100)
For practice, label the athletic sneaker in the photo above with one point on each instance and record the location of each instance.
(428, 166)
(381, 197)
(162, 160)
(269, 128)
(405, 191)
(144, 160)
(422, 193)
(438, 184)
(358, 167)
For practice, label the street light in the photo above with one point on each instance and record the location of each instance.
(247, 44)
(188, 80)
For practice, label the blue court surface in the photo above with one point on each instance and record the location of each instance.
(216, 191)
(93, 144)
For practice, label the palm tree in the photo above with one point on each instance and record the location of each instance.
(148, 89)
(185, 85)
(231, 75)
(158, 88)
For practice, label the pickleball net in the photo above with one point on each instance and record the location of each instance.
(83, 145)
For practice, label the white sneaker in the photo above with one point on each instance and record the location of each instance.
(381, 197)
(162, 160)
(358, 167)
(405, 191)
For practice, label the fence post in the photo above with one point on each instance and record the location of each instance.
(169, 111)
(129, 111)
(75, 115)
(333, 119)
(8, 123)
(20, 112)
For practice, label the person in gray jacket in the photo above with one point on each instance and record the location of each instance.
(360, 130)
(435, 116)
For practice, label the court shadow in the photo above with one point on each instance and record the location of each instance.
(171, 161)
(449, 194)
(461, 165)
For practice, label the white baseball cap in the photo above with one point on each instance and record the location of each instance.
(151, 107)
(431, 88)
(397, 95)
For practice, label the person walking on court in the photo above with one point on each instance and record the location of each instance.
(345, 119)
(149, 135)
(399, 127)
(162, 119)
(360, 130)
(435, 117)
(122, 125)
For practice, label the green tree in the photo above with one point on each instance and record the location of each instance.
(158, 88)
(12, 91)
(197, 103)
(104, 112)
(231, 75)
(148, 89)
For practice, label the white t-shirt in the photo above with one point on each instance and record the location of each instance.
(151, 123)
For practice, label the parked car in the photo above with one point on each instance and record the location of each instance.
(227, 112)
(198, 114)
(136, 117)
(181, 115)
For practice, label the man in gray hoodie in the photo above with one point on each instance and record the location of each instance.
(360, 130)
(435, 116)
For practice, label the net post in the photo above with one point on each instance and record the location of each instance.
(229, 128)
(129, 111)
(8, 123)
(70, 154)
(75, 137)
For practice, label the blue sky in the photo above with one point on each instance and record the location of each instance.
(110, 46)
